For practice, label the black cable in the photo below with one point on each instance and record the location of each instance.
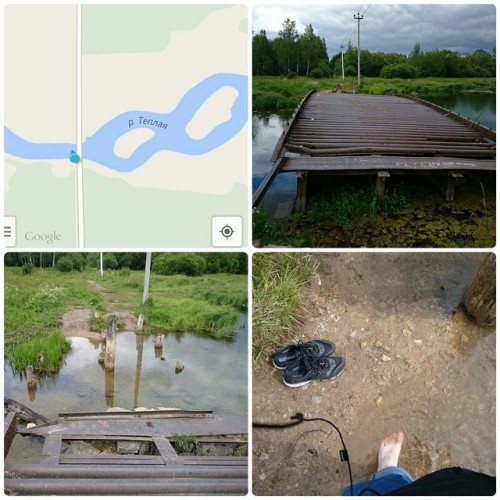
(299, 418)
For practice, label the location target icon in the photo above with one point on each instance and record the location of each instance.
(227, 231)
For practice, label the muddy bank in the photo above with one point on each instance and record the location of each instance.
(414, 363)
(76, 323)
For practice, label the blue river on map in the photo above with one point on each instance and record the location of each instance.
(169, 130)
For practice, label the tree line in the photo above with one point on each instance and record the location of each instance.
(292, 54)
(188, 263)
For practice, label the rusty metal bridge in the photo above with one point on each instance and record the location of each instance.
(163, 473)
(353, 134)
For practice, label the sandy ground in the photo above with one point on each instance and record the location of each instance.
(414, 363)
(75, 323)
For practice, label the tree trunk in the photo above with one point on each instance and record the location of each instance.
(479, 298)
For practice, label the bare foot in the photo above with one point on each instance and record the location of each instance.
(390, 448)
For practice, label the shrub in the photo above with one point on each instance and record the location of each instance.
(109, 261)
(222, 263)
(78, 261)
(316, 73)
(45, 298)
(124, 271)
(28, 268)
(403, 70)
(188, 264)
(65, 264)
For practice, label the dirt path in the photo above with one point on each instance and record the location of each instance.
(412, 365)
(75, 323)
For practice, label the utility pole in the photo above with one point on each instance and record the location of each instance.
(342, 49)
(147, 272)
(359, 49)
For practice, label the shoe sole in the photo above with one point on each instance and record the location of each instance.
(299, 384)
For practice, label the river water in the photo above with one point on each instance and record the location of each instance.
(214, 376)
(477, 106)
(169, 130)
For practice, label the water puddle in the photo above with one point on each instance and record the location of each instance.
(214, 376)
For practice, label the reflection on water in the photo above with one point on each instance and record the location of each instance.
(477, 106)
(214, 376)
(266, 132)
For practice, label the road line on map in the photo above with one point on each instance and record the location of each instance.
(79, 165)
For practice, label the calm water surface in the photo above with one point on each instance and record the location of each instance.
(214, 377)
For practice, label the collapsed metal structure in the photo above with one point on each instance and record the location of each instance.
(352, 134)
(166, 473)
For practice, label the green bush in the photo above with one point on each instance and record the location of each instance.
(185, 263)
(65, 264)
(316, 73)
(124, 271)
(399, 71)
(109, 261)
(222, 263)
(78, 261)
(46, 297)
(28, 268)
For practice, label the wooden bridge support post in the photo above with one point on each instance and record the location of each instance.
(382, 175)
(301, 200)
(159, 345)
(109, 356)
(449, 185)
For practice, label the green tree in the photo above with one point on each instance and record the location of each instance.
(263, 59)
(109, 261)
(312, 50)
(285, 46)
(188, 264)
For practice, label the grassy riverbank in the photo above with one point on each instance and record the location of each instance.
(273, 93)
(278, 287)
(35, 303)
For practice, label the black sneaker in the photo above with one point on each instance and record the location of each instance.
(310, 369)
(293, 353)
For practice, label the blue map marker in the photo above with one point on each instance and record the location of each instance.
(73, 157)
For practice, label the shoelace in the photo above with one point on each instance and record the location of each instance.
(307, 349)
(315, 365)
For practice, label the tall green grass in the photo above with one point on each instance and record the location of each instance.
(191, 315)
(279, 282)
(35, 303)
(44, 352)
(344, 205)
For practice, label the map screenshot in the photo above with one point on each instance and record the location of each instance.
(126, 126)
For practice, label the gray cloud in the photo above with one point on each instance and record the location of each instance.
(388, 28)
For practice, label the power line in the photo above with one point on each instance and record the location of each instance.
(362, 8)
(358, 18)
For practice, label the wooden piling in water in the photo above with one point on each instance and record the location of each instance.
(109, 356)
(31, 378)
(140, 323)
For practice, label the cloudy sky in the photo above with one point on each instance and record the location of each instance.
(387, 27)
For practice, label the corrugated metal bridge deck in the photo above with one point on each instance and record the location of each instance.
(130, 474)
(378, 135)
